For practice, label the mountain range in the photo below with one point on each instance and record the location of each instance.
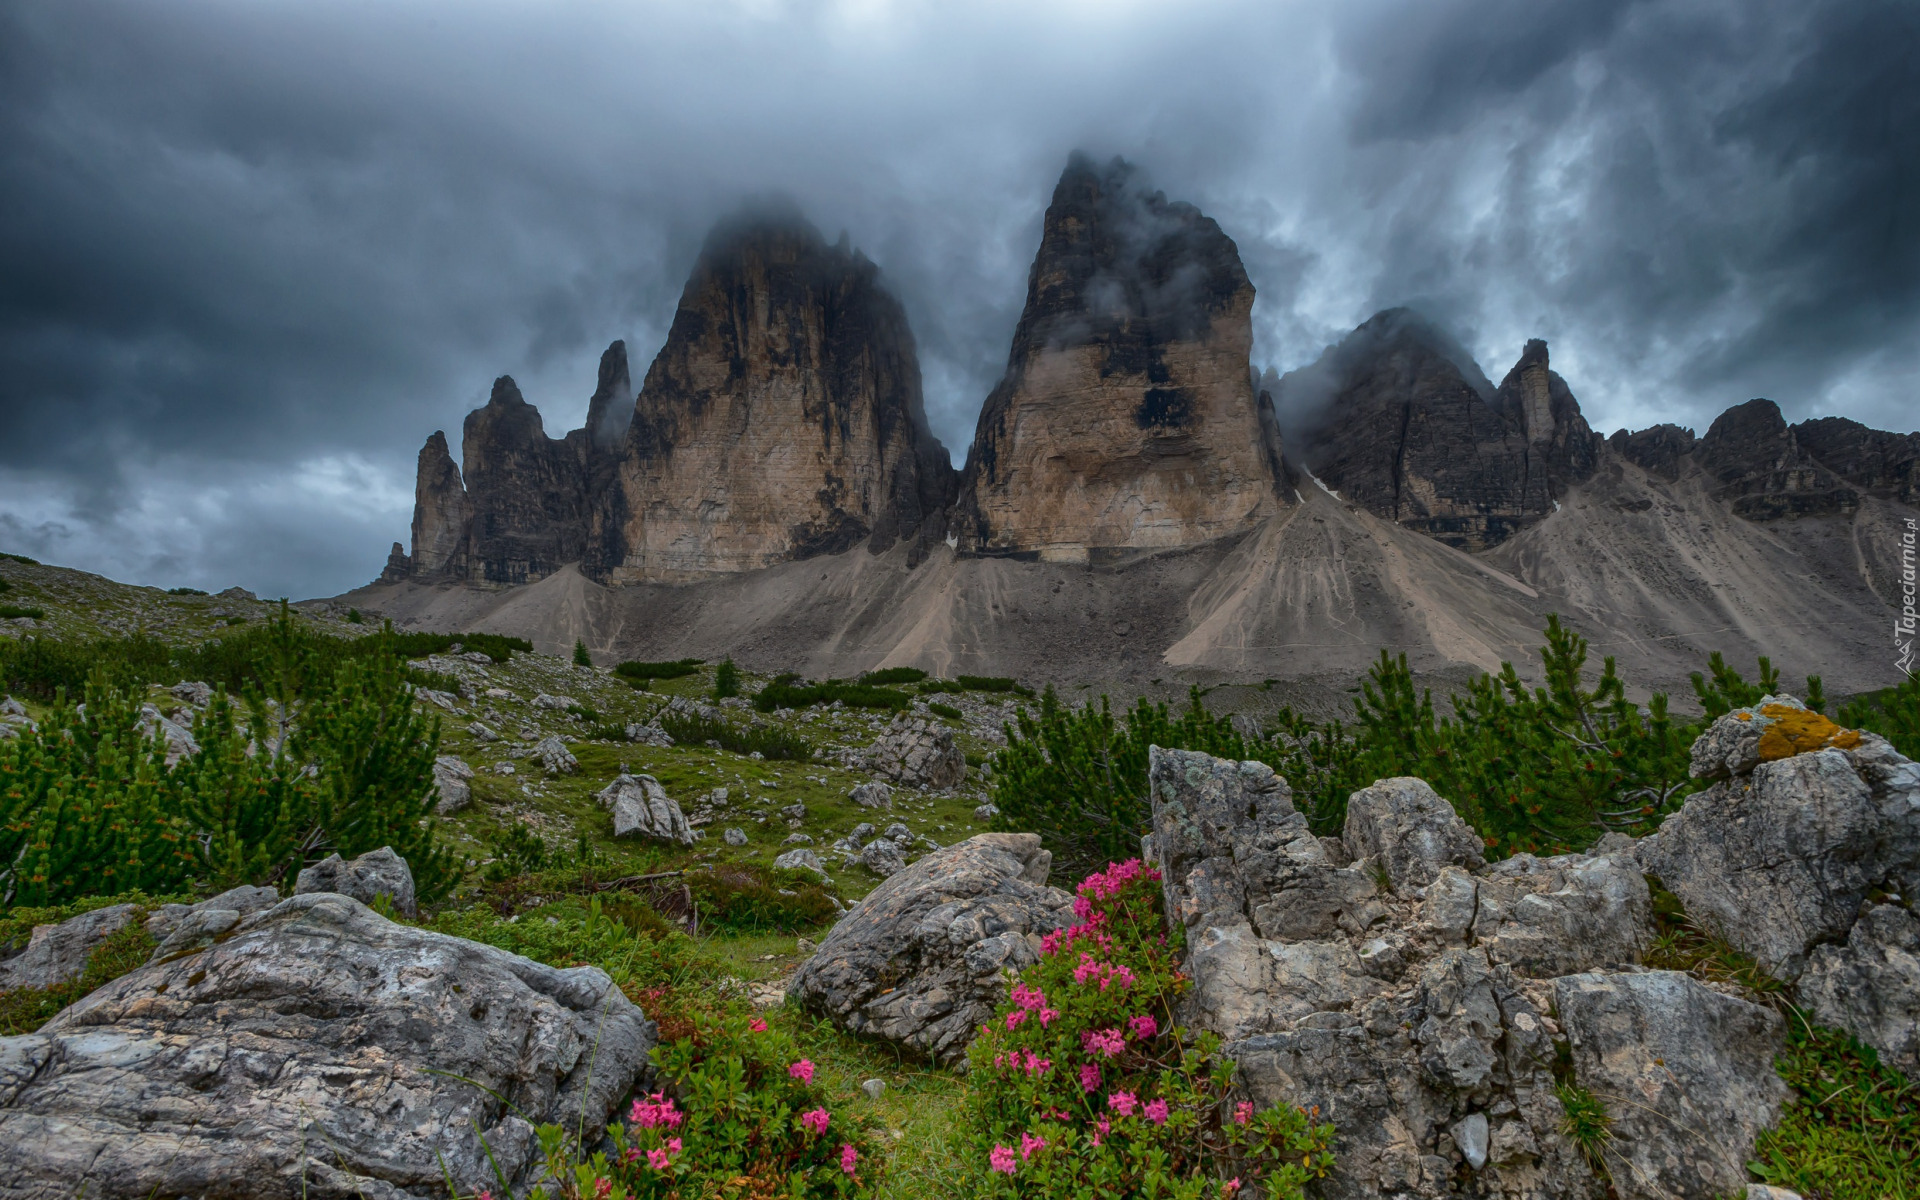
(1138, 503)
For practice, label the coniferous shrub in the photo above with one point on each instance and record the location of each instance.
(581, 658)
(674, 669)
(1893, 713)
(787, 691)
(893, 675)
(726, 679)
(768, 741)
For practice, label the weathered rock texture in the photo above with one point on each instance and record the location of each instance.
(920, 960)
(1399, 419)
(366, 878)
(320, 1052)
(917, 751)
(1418, 1019)
(1759, 466)
(783, 417)
(642, 808)
(1127, 418)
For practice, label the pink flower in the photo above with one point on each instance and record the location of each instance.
(757, 1025)
(602, 1188)
(1123, 1103)
(1082, 907)
(1037, 1065)
(1104, 1041)
(1089, 1077)
(1157, 1112)
(1144, 1027)
(1028, 1144)
(848, 1157)
(656, 1110)
(1048, 1016)
(1027, 997)
(1001, 1159)
(673, 1145)
(816, 1121)
(1230, 1186)
(657, 1159)
(802, 1070)
(1103, 1127)
(1242, 1113)
(485, 1194)
(1015, 1017)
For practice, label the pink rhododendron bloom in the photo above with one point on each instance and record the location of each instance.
(757, 1025)
(1001, 1159)
(802, 1070)
(673, 1145)
(816, 1121)
(1037, 1065)
(1103, 1041)
(1157, 1112)
(1144, 1027)
(1102, 1127)
(654, 1112)
(1082, 907)
(1048, 1016)
(657, 1159)
(1230, 1186)
(1242, 1113)
(1028, 1144)
(602, 1188)
(848, 1157)
(1015, 1017)
(1123, 1103)
(1027, 997)
(1089, 1077)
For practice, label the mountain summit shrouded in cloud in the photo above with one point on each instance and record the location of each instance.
(249, 252)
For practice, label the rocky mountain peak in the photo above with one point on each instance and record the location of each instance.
(1126, 419)
(782, 418)
(610, 410)
(1758, 464)
(1399, 419)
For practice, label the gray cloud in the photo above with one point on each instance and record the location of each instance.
(251, 255)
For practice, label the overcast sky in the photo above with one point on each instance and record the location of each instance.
(253, 252)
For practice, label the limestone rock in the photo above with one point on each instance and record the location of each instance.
(782, 419)
(800, 860)
(649, 735)
(872, 795)
(1127, 419)
(1776, 727)
(1556, 916)
(483, 732)
(554, 756)
(734, 837)
(1870, 985)
(1779, 859)
(1685, 1072)
(555, 703)
(441, 515)
(192, 692)
(642, 808)
(450, 776)
(57, 953)
(526, 492)
(376, 873)
(1757, 464)
(180, 742)
(883, 857)
(986, 812)
(182, 928)
(319, 1052)
(1399, 420)
(1409, 832)
(919, 752)
(919, 961)
(1880, 463)
(1660, 450)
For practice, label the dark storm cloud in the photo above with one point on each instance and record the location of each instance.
(250, 255)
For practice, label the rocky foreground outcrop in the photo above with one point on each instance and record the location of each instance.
(1429, 1003)
(920, 961)
(1127, 418)
(313, 1050)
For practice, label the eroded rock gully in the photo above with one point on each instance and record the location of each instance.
(1427, 1003)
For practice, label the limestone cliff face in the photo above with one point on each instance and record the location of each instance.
(1126, 419)
(1661, 450)
(526, 492)
(1884, 464)
(440, 514)
(1759, 466)
(782, 419)
(1398, 419)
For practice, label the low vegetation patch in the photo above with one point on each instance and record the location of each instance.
(1852, 1131)
(675, 669)
(10, 611)
(894, 675)
(1083, 1085)
(768, 741)
(789, 691)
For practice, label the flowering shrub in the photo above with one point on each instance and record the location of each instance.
(737, 1115)
(1083, 1085)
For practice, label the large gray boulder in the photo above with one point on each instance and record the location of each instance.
(1417, 1018)
(917, 751)
(1778, 859)
(642, 808)
(554, 755)
(59, 952)
(1870, 985)
(1404, 828)
(320, 1052)
(919, 962)
(366, 878)
(1685, 1072)
(450, 777)
(179, 740)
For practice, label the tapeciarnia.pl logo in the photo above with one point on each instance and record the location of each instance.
(1904, 624)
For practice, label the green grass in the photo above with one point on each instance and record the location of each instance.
(1587, 1123)
(23, 1010)
(1853, 1130)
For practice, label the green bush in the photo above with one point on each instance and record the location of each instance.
(768, 741)
(726, 680)
(21, 558)
(945, 710)
(747, 899)
(10, 611)
(783, 692)
(1893, 713)
(184, 591)
(1083, 1085)
(581, 657)
(893, 675)
(659, 670)
(939, 687)
(354, 617)
(991, 683)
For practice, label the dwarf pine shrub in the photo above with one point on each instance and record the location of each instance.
(1083, 1085)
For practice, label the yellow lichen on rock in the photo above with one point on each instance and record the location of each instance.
(1800, 731)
